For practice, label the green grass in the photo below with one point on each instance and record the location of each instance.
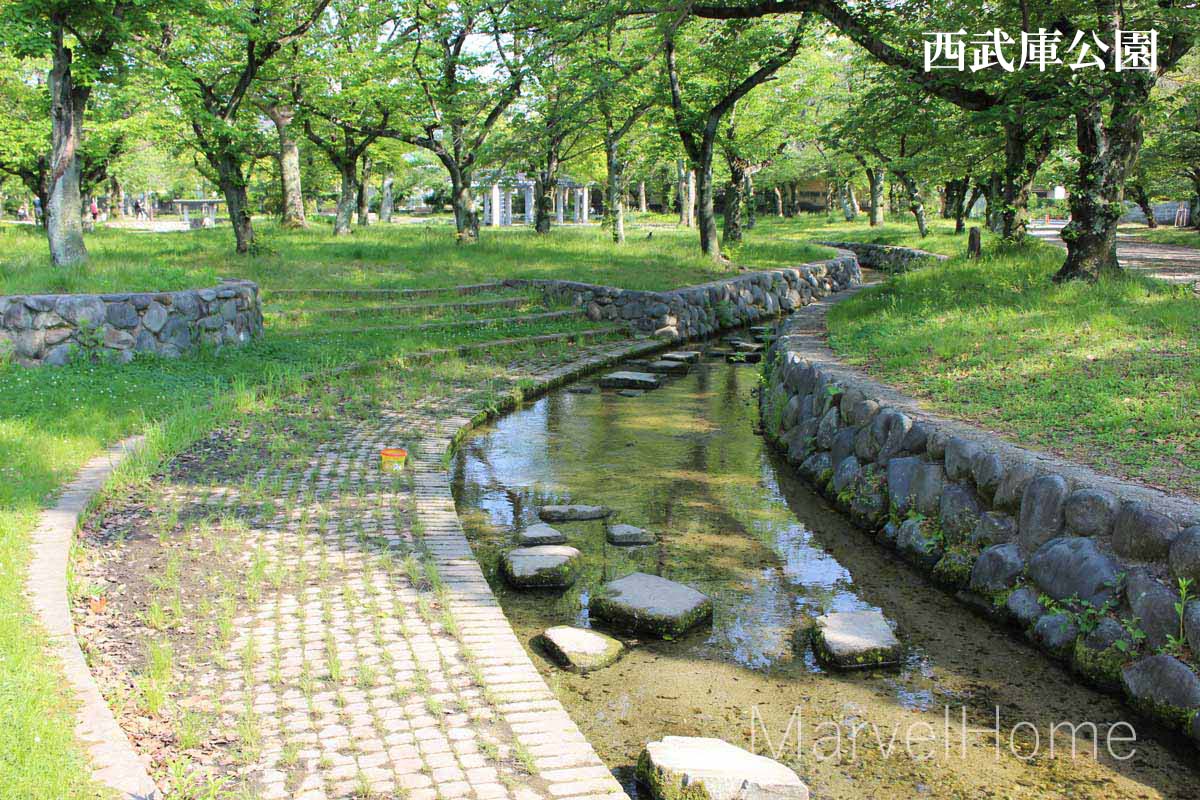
(382, 256)
(898, 230)
(1106, 374)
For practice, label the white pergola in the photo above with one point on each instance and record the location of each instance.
(498, 193)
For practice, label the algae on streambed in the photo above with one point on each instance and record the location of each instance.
(685, 462)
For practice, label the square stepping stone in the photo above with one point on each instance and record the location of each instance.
(688, 766)
(630, 380)
(629, 535)
(540, 533)
(569, 513)
(668, 367)
(744, 358)
(650, 604)
(686, 356)
(549, 566)
(579, 649)
(631, 392)
(747, 347)
(855, 640)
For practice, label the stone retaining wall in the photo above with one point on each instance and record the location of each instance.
(701, 310)
(886, 257)
(46, 329)
(1086, 565)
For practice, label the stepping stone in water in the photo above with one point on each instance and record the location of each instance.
(572, 512)
(579, 649)
(686, 356)
(631, 392)
(629, 535)
(760, 329)
(650, 604)
(547, 566)
(630, 380)
(540, 533)
(855, 640)
(669, 367)
(673, 767)
(586, 388)
(748, 347)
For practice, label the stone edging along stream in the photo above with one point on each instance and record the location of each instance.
(1088, 566)
(696, 311)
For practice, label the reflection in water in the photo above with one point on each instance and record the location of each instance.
(684, 462)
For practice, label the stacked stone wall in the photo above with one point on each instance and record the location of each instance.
(48, 329)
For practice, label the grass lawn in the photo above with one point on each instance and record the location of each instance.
(411, 255)
(1107, 374)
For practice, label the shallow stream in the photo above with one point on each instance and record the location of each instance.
(684, 461)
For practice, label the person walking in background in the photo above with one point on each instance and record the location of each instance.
(95, 209)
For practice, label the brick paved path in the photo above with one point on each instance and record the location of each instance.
(377, 663)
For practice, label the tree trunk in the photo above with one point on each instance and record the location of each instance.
(233, 187)
(751, 211)
(116, 198)
(347, 199)
(1138, 193)
(466, 221)
(613, 199)
(64, 208)
(875, 182)
(1023, 156)
(995, 202)
(968, 202)
(387, 203)
(693, 200)
(364, 194)
(681, 193)
(546, 185)
(778, 201)
(916, 204)
(734, 203)
(700, 189)
(642, 207)
(849, 204)
(289, 167)
(1106, 151)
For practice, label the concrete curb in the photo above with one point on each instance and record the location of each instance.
(114, 762)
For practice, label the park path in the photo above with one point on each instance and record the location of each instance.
(377, 663)
(1171, 263)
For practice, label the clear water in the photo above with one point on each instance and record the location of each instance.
(684, 461)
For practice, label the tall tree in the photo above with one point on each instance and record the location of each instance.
(346, 95)
(84, 42)
(466, 63)
(211, 59)
(725, 61)
(1030, 104)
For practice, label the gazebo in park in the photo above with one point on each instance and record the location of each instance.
(500, 191)
(207, 209)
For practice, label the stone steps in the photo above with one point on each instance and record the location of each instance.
(428, 326)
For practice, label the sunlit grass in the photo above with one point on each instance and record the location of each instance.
(1108, 374)
(382, 256)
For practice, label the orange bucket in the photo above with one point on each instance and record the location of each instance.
(391, 459)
